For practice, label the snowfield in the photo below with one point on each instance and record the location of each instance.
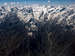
(40, 12)
(37, 31)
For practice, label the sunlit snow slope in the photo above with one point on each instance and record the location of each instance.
(37, 30)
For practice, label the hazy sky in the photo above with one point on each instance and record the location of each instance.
(42, 1)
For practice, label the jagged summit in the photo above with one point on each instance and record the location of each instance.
(40, 13)
(37, 31)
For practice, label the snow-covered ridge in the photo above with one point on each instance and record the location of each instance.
(39, 25)
(40, 13)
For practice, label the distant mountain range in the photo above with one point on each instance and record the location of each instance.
(37, 30)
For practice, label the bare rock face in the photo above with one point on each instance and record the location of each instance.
(10, 30)
(21, 34)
